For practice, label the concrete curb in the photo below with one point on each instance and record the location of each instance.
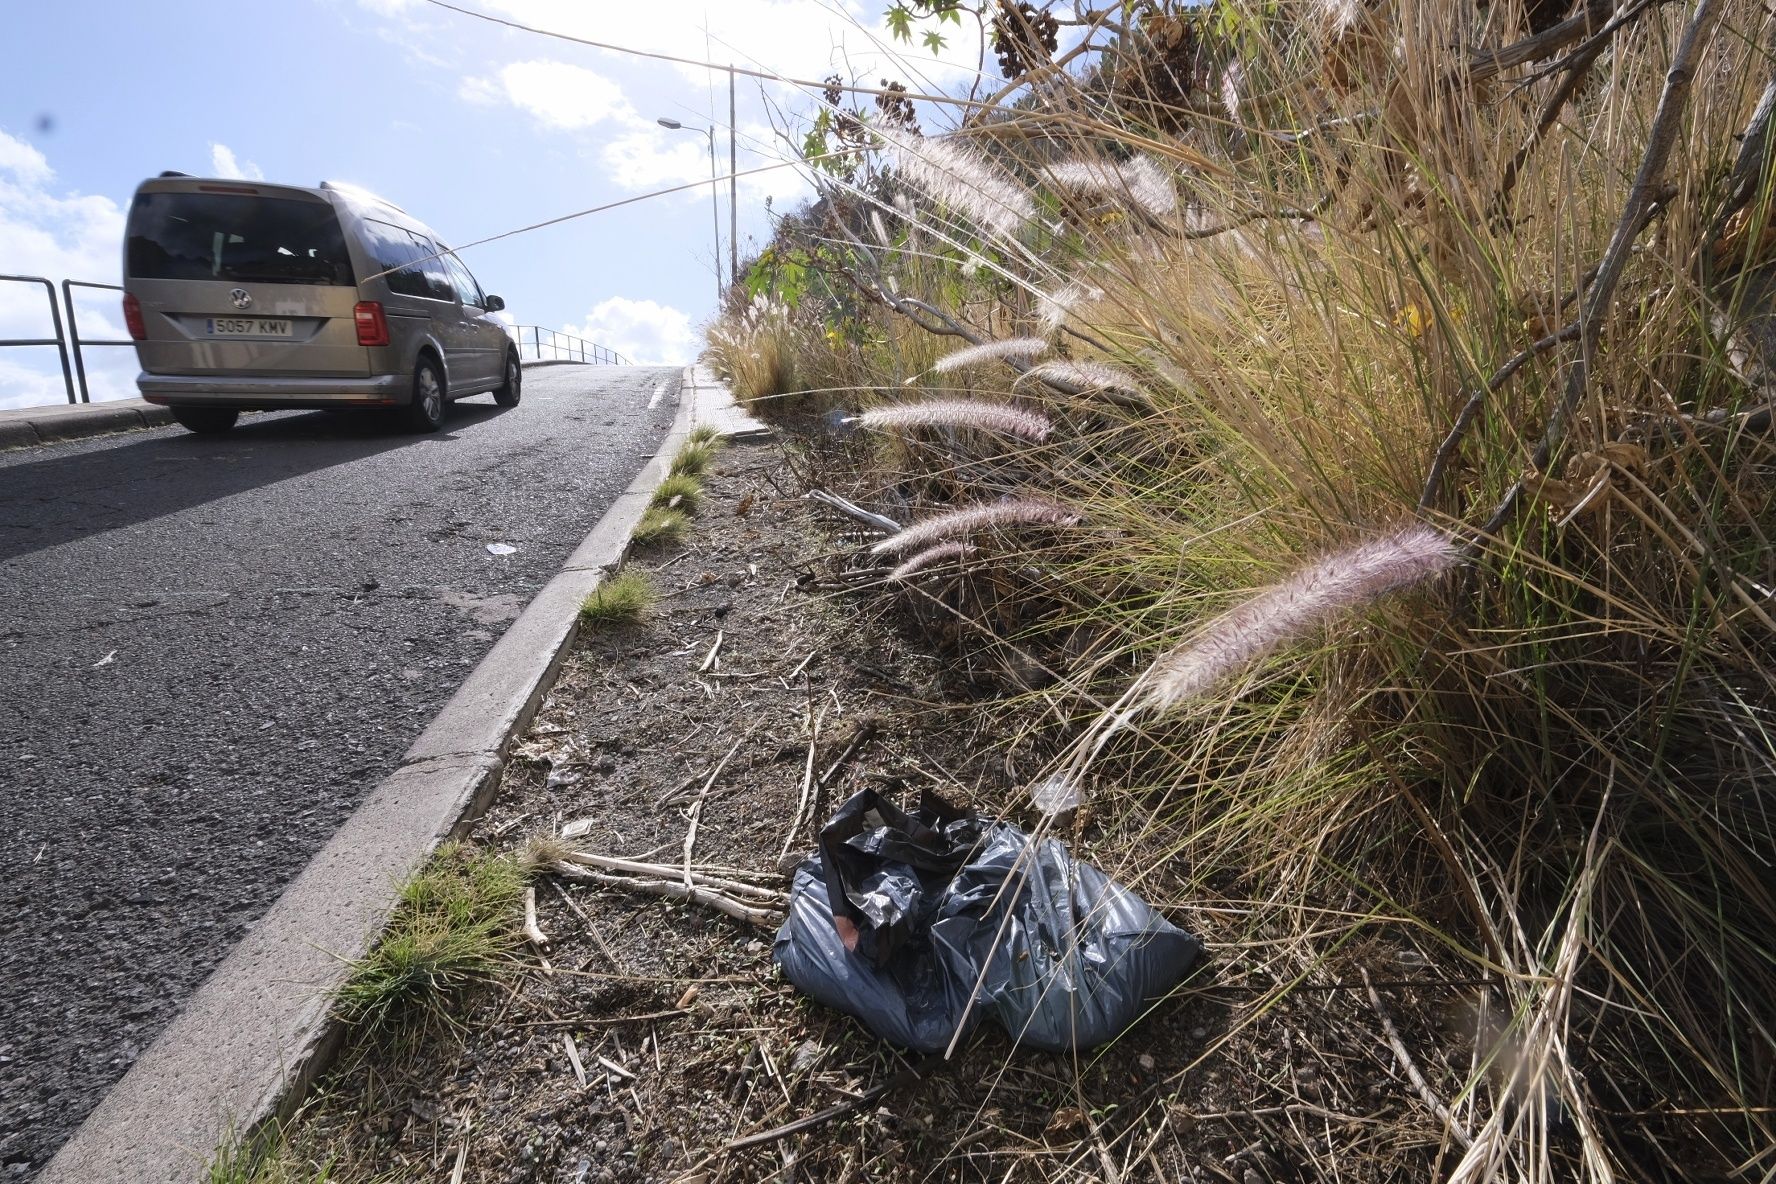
(258, 1033)
(27, 427)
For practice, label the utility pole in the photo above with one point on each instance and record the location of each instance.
(733, 188)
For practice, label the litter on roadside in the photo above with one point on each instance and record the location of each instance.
(919, 924)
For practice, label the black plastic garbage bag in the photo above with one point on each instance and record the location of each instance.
(900, 917)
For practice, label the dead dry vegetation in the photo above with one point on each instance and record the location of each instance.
(1170, 372)
(651, 1040)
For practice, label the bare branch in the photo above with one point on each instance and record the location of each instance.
(1647, 193)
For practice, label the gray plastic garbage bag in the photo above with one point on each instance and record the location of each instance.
(898, 915)
(909, 1002)
(1072, 957)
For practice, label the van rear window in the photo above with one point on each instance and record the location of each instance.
(214, 236)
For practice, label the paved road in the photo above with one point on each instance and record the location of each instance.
(211, 649)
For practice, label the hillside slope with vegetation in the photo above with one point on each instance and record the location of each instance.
(1342, 433)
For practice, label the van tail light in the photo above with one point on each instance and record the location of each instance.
(132, 317)
(373, 327)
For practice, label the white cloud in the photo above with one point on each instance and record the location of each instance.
(23, 161)
(558, 94)
(224, 164)
(50, 232)
(796, 38)
(635, 153)
(644, 332)
(646, 158)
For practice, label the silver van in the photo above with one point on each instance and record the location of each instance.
(243, 295)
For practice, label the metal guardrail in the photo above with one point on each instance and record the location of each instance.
(60, 340)
(534, 341)
(546, 345)
(74, 337)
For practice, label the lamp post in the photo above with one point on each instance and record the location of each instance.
(714, 198)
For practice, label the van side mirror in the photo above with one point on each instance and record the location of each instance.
(495, 304)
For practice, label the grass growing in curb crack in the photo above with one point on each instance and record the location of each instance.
(661, 525)
(685, 488)
(621, 600)
(455, 925)
(704, 433)
(270, 1157)
(694, 457)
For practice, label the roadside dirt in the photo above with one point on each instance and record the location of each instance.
(659, 1033)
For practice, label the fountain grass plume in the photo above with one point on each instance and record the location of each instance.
(1139, 181)
(991, 351)
(1055, 307)
(1335, 584)
(929, 556)
(1093, 376)
(972, 519)
(959, 178)
(980, 416)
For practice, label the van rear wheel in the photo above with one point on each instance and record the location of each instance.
(507, 395)
(205, 421)
(426, 412)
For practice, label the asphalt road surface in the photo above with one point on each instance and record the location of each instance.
(211, 649)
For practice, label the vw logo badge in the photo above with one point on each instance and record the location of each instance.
(241, 297)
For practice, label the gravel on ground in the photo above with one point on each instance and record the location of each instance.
(650, 1034)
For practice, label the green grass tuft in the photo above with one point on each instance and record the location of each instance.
(623, 599)
(272, 1156)
(661, 525)
(237, 1164)
(454, 926)
(685, 487)
(694, 458)
(705, 433)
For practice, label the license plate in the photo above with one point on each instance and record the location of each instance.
(247, 327)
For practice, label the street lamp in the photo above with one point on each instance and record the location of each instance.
(714, 200)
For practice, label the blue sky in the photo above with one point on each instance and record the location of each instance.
(474, 128)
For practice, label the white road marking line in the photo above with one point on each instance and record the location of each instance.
(659, 393)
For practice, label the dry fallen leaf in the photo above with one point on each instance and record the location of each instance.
(1068, 1118)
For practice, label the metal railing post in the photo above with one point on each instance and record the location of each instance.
(566, 347)
(60, 340)
(74, 336)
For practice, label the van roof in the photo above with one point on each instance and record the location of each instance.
(189, 184)
(359, 199)
(359, 194)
